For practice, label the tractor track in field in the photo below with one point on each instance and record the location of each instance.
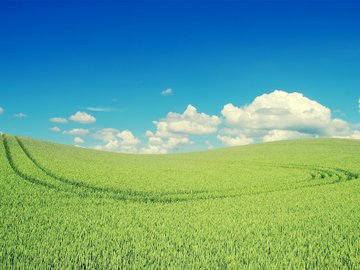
(320, 172)
(82, 189)
(90, 187)
(81, 184)
(21, 174)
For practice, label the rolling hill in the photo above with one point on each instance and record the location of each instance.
(281, 205)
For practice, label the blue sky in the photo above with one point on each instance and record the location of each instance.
(63, 57)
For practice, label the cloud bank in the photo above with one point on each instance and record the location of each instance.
(274, 116)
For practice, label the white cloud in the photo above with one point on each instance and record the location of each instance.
(127, 138)
(78, 140)
(189, 122)
(235, 141)
(56, 129)
(116, 140)
(337, 127)
(167, 92)
(282, 116)
(100, 109)
(76, 131)
(352, 135)
(153, 149)
(82, 118)
(2, 110)
(158, 145)
(278, 135)
(106, 134)
(279, 110)
(20, 115)
(58, 120)
(173, 131)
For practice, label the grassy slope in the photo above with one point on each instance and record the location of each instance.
(277, 205)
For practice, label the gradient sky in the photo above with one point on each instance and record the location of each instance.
(61, 57)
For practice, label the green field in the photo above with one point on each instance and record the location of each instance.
(281, 205)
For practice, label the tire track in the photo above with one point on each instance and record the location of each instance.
(321, 172)
(21, 174)
(81, 189)
(74, 190)
(81, 184)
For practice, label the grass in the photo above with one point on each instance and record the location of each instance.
(283, 205)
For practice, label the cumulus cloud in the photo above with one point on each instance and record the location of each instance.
(355, 134)
(20, 115)
(82, 118)
(337, 127)
(128, 138)
(235, 141)
(56, 129)
(78, 140)
(173, 131)
(189, 122)
(106, 134)
(167, 92)
(281, 116)
(278, 135)
(153, 149)
(158, 145)
(116, 140)
(58, 120)
(76, 131)
(279, 110)
(2, 110)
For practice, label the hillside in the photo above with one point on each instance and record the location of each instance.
(290, 204)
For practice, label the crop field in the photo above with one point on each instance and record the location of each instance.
(282, 205)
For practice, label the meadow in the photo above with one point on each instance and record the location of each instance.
(281, 205)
